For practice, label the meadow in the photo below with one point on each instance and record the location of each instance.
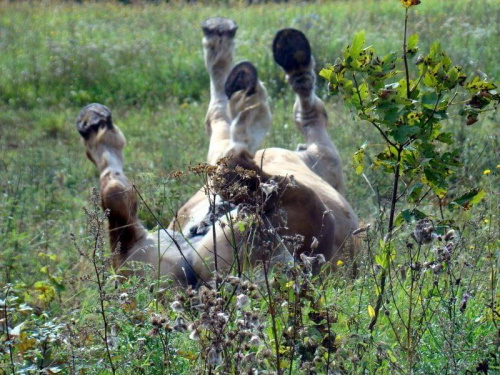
(145, 62)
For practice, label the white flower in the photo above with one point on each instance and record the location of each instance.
(223, 317)
(176, 306)
(254, 340)
(194, 335)
(269, 187)
(436, 268)
(450, 235)
(321, 259)
(314, 244)
(307, 260)
(233, 280)
(123, 297)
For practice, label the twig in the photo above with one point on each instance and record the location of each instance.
(273, 318)
(364, 112)
(102, 293)
(6, 325)
(405, 57)
(384, 272)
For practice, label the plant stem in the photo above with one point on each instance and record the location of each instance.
(101, 294)
(6, 327)
(295, 323)
(214, 238)
(158, 272)
(405, 57)
(394, 195)
(272, 312)
(408, 327)
(383, 275)
(382, 133)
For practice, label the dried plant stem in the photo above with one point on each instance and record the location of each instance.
(295, 323)
(102, 293)
(72, 348)
(272, 312)
(214, 236)
(6, 328)
(164, 344)
(328, 323)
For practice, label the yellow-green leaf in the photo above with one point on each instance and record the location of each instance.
(371, 311)
(358, 160)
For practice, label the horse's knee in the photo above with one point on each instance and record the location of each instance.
(118, 197)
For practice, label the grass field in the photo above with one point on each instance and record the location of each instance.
(145, 62)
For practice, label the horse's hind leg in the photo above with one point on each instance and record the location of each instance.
(248, 109)
(218, 46)
(104, 143)
(238, 115)
(292, 52)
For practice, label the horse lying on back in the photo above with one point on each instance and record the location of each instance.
(291, 201)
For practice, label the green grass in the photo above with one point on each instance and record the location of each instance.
(145, 62)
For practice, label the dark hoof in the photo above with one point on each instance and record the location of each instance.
(92, 118)
(219, 26)
(242, 77)
(291, 50)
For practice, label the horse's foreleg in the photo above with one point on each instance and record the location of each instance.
(104, 143)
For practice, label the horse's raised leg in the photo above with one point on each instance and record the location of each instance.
(238, 115)
(218, 46)
(292, 52)
(248, 109)
(104, 143)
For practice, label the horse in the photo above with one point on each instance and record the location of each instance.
(261, 205)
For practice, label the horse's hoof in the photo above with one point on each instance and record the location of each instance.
(92, 118)
(291, 50)
(242, 77)
(219, 26)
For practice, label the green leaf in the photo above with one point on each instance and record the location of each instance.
(402, 133)
(357, 44)
(435, 52)
(478, 85)
(386, 253)
(241, 226)
(430, 80)
(358, 160)
(469, 199)
(363, 91)
(412, 47)
(453, 75)
(429, 100)
(371, 311)
(392, 357)
(415, 192)
(379, 259)
(326, 73)
(446, 61)
(409, 216)
(446, 137)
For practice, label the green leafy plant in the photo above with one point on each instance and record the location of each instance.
(408, 106)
